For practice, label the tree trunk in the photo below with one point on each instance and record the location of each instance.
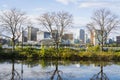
(13, 44)
(102, 46)
(102, 42)
(57, 48)
(13, 69)
(102, 76)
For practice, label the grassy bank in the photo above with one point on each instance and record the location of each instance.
(92, 53)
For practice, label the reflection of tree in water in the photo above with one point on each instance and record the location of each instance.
(13, 75)
(100, 76)
(56, 72)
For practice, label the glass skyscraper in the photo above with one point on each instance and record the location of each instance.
(82, 36)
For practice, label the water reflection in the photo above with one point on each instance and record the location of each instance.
(12, 75)
(58, 70)
(22, 70)
(15, 74)
(100, 75)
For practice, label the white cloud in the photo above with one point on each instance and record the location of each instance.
(39, 9)
(99, 4)
(32, 18)
(80, 21)
(66, 2)
(93, 4)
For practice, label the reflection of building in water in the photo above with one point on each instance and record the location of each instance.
(78, 65)
(100, 76)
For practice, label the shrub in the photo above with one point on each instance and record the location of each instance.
(0, 46)
(29, 51)
(93, 48)
(42, 51)
(1, 50)
(50, 52)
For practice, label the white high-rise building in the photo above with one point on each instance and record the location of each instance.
(43, 35)
(96, 37)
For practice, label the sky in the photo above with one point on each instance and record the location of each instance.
(81, 10)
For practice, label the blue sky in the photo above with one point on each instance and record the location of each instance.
(80, 9)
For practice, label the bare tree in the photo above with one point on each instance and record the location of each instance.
(12, 21)
(103, 22)
(56, 72)
(90, 29)
(56, 23)
(100, 75)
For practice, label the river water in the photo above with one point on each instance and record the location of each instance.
(59, 70)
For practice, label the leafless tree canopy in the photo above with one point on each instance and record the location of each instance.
(105, 21)
(56, 21)
(12, 21)
(63, 20)
(47, 21)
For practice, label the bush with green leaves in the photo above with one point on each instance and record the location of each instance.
(29, 51)
(93, 48)
(50, 52)
(0, 47)
(42, 51)
(1, 50)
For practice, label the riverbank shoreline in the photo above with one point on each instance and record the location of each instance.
(61, 54)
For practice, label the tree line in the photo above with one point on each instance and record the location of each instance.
(13, 20)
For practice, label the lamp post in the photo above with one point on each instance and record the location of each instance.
(22, 38)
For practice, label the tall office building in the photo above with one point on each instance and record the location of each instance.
(118, 39)
(68, 38)
(87, 40)
(24, 36)
(43, 35)
(96, 37)
(82, 36)
(32, 33)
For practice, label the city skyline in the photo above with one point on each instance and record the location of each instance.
(81, 10)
